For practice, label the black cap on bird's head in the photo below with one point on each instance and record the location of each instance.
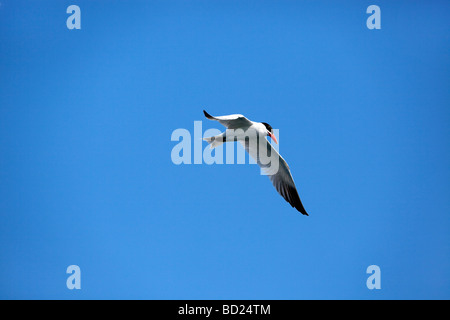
(270, 131)
(268, 126)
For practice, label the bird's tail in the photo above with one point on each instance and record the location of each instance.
(215, 141)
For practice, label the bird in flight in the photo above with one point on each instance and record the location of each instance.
(252, 135)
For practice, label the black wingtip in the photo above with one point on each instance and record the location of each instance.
(302, 211)
(299, 206)
(208, 115)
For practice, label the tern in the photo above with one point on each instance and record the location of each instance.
(252, 135)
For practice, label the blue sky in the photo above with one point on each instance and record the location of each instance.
(86, 176)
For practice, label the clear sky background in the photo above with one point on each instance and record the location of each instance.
(86, 176)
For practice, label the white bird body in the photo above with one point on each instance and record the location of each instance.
(252, 135)
(239, 134)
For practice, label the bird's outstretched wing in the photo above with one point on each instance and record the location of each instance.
(281, 178)
(232, 121)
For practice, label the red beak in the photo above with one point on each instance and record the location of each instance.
(272, 136)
